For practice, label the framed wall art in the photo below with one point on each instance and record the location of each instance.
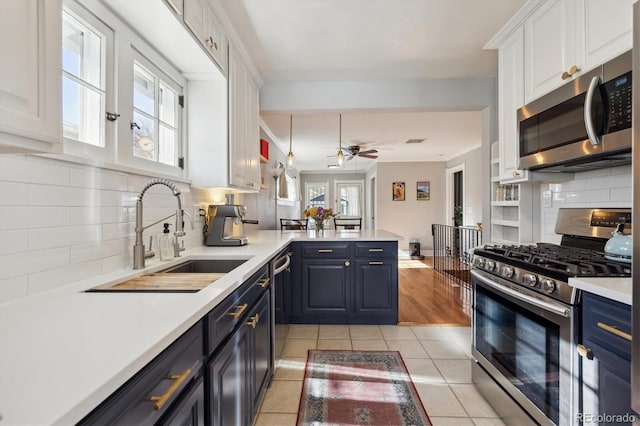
(423, 191)
(398, 191)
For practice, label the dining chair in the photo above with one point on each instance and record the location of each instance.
(293, 224)
(347, 223)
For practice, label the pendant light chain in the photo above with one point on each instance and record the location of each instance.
(290, 155)
(340, 154)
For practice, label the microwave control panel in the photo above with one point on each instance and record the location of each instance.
(618, 93)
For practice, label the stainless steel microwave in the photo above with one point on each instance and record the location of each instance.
(584, 124)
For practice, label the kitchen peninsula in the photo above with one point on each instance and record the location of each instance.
(78, 348)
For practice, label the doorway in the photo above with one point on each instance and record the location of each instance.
(455, 196)
(349, 198)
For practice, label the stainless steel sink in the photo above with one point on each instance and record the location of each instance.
(187, 277)
(205, 266)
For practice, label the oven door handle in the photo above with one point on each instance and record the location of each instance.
(547, 306)
(588, 105)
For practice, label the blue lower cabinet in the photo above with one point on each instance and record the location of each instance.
(261, 347)
(376, 291)
(325, 289)
(605, 362)
(228, 376)
(344, 283)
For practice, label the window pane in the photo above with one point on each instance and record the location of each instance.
(82, 113)
(81, 51)
(349, 200)
(144, 90)
(167, 148)
(315, 196)
(144, 137)
(167, 105)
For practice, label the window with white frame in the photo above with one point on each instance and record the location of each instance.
(316, 194)
(349, 198)
(156, 114)
(84, 76)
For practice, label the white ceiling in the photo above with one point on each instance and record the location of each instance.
(311, 40)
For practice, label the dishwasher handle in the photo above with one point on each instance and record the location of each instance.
(284, 266)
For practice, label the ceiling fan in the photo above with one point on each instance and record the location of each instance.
(354, 151)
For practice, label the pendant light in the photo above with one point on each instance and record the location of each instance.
(290, 154)
(340, 155)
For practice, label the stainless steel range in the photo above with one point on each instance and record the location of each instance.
(526, 316)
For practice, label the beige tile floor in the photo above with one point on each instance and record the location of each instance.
(438, 360)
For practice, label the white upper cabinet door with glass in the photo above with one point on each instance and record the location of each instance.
(566, 38)
(201, 20)
(510, 98)
(30, 90)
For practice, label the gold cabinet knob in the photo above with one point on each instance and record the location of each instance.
(347, 263)
(574, 69)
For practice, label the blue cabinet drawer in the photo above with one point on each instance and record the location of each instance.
(326, 250)
(607, 323)
(151, 393)
(377, 249)
(222, 319)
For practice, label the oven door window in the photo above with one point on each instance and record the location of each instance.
(523, 346)
(560, 125)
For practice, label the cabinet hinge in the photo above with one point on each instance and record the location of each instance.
(181, 100)
(181, 162)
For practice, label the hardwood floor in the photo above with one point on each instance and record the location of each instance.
(428, 297)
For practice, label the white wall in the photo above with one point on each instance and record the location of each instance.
(598, 188)
(63, 222)
(411, 219)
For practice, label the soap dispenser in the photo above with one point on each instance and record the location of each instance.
(166, 245)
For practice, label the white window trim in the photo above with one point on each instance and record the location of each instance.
(81, 149)
(306, 193)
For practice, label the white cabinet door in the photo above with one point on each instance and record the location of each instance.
(550, 47)
(510, 98)
(237, 119)
(253, 133)
(30, 75)
(177, 6)
(604, 30)
(200, 19)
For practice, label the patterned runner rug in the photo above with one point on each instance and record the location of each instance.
(359, 388)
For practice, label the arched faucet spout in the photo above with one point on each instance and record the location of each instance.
(138, 248)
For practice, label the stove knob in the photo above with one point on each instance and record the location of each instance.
(508, 271)
(490, 265)
(549, 285)
(530, 279)
(480, 262)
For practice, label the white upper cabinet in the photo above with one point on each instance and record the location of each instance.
(566, 38)
(201, 20)
(30, 88)
(244, 131)
(510, 98)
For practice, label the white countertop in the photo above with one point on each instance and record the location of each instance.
(614, 288)
(65, 351)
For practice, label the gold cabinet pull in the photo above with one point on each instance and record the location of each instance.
(376, 263)
(254, 321)
(240, 310)
(177, 381)
(613, 330)
(325, 251)
(375, 250)
(574, 69)
(584, 352)
(264, 282)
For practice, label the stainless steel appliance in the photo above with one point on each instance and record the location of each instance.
(635, 356)
(525, 316)
(584, 124)
(225, 225)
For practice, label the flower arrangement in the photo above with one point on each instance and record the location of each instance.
(319, 214)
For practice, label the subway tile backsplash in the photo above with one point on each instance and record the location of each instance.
(63, 222)
(597, 188)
